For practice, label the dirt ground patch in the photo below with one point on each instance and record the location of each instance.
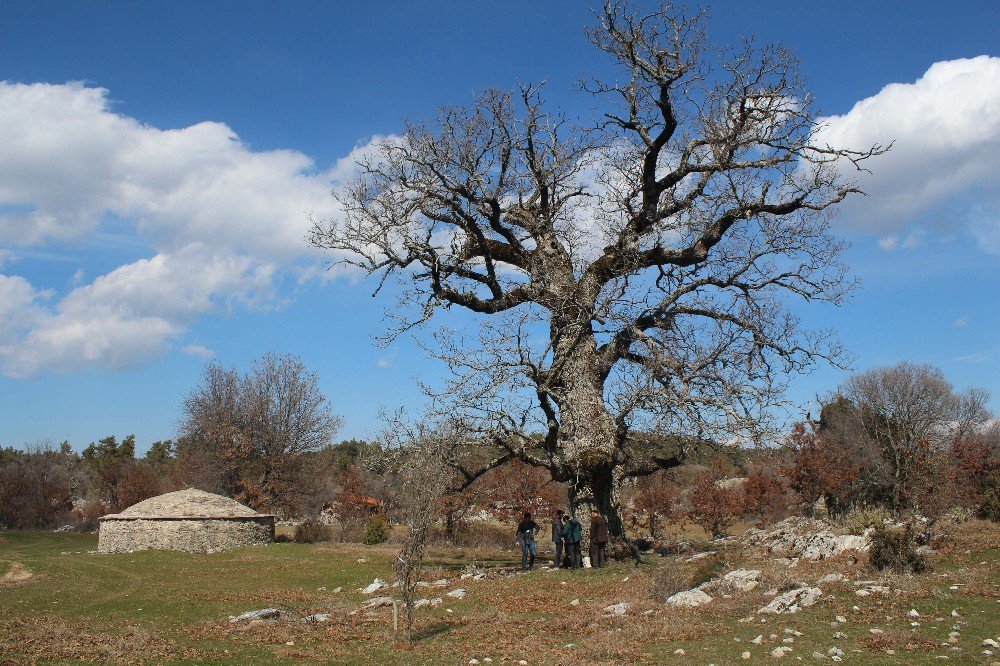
(16, 573)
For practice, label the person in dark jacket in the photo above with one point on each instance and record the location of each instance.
(599, 538)
(526, 531)
(573, 534)
(557, 536)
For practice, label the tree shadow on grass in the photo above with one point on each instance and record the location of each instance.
(433, 630)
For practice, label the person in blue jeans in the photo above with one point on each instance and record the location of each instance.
(526, 531)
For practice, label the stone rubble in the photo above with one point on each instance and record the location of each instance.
(793, 600)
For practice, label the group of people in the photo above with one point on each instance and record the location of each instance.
(567, 536)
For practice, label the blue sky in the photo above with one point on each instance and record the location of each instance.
(158, 161)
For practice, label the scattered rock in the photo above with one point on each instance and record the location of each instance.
(701, 556)
(378, 602)
(375, 586)
(819, 655)
(689, 599)
(271, 614)
(616, 609)
(317, 617)
(780, 651)
(575, 602)
(457, 593)
(836, 577)
(793, 600)
(745, 655)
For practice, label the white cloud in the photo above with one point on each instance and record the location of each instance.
(199, 352)
(219, 223)
(963, 321)
(942, 169)
(386, 360)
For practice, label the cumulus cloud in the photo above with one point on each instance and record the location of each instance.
(941, 173)
(220, 223)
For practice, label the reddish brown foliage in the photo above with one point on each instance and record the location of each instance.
(818, 468)
(764, 494)
(712, 505)
(658, 497)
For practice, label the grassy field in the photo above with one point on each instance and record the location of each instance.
(60, 604)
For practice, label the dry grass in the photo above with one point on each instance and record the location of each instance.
(108, 608)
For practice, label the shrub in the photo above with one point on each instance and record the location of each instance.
(989, 507)
(896, 550)
(862, 518)
(87, 516)
(707, 570)
(713, 506)
(960, 515)
(376, 531)
(311, 531)
(670, 580)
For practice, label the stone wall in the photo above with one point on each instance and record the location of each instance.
(194, 535)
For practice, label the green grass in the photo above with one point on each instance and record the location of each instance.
(165, 607)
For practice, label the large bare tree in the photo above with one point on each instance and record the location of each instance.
(628, 274)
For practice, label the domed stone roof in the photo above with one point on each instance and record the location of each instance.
(189, 503)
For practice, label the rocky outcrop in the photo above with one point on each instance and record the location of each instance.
(805, 538)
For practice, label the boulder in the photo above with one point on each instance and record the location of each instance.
(689, 599)
(792, 601)
(738, 580)
(457, 594)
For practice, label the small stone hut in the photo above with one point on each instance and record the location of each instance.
(187, 520)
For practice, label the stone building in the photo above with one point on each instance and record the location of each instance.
(188, 520)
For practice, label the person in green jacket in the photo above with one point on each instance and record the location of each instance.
(573, 534)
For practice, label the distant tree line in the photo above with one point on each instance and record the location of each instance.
(898, 438)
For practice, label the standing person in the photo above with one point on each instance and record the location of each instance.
(526, 531)
(573, 534)
(557, 535)
(599, 538)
